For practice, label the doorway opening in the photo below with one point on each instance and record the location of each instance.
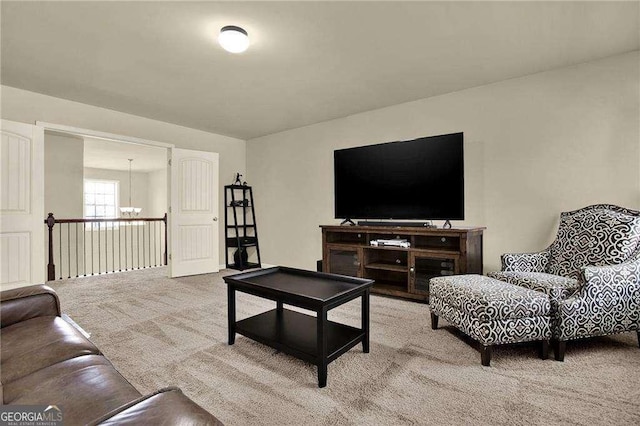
(106, 202)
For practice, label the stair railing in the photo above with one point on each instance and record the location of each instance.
(85, 247)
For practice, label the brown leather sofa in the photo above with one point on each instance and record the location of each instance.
(46, 361)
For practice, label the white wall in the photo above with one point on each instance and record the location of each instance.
(534, 146)
(63, 169)
(157, 183)
(29, 107)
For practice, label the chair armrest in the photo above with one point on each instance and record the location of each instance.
(525, 262)
(23, 303)
(622, 280)
(607, 302)
(167, 406)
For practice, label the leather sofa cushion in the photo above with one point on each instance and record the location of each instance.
(85, 388)
(168, 406)
(37, 343)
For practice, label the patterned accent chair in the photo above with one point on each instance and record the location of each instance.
(591, 273)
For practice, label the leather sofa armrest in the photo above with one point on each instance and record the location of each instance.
(23, 303)
(525, 262)
(167, 406)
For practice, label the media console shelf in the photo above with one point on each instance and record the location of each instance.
(397, 271)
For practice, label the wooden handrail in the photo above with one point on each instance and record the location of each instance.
(139, 219)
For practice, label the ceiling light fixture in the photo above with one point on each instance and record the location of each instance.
(130, 211)
(233, 39)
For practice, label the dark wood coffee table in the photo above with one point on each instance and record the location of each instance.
(312, 339)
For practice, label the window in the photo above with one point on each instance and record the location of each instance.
(100, 199)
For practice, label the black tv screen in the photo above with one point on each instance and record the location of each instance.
(416, 179)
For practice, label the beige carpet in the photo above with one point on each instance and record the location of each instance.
(161, 332)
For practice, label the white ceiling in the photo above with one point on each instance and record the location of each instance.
(110, 155)
(308, 62)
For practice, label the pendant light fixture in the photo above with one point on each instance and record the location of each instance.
(130, 211)
(233, 39)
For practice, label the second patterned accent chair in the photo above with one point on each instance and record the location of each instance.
(591, 273)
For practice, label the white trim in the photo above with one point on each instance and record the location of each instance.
(101, 135)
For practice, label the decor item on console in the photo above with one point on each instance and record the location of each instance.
(591, 273)
(46, 361)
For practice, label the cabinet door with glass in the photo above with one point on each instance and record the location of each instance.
(423, 267)
(344, 261)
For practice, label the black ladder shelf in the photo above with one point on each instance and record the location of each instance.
(240, 234)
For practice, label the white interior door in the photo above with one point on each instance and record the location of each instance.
(21, 205)
(193, 216)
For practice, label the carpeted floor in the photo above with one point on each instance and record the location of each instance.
(160, 332)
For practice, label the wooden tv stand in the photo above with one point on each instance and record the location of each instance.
(397, 271)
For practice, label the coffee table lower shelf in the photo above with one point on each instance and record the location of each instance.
(294, 333)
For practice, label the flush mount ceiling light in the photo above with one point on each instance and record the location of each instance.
(233, 39)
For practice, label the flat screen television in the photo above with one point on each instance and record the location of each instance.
(416, 179)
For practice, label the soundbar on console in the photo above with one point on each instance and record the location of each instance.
(395, 223)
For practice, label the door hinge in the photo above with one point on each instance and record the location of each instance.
(169, 209)
(169, 256)
(169, 162)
